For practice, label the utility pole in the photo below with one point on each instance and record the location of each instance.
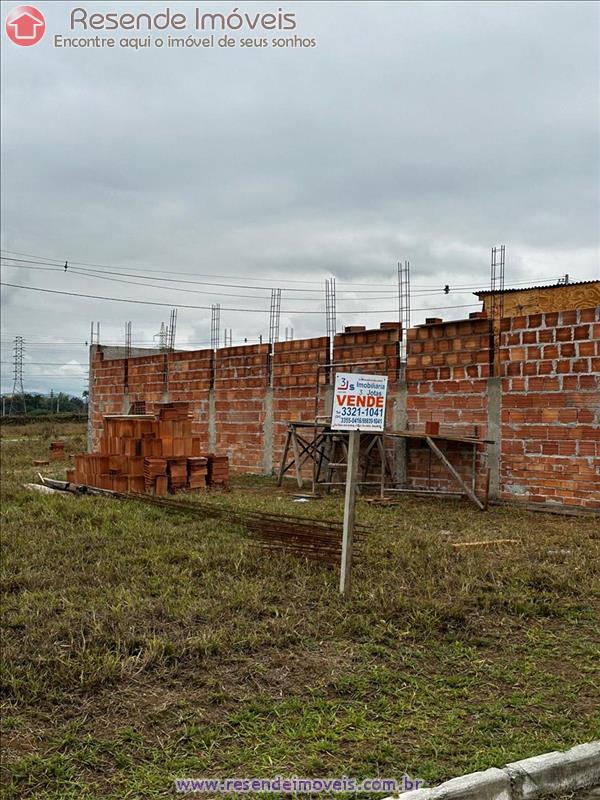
(18, 391)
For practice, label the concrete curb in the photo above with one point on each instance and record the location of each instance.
(530, 779)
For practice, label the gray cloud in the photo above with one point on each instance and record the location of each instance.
(426, 131)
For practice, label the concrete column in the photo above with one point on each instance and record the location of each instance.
(268, 430)
(494, 408)
(399, 423)
(212, 422)
(328, 395)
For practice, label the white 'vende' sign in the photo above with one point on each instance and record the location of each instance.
(359, 402)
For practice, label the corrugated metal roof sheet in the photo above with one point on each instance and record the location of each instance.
(483, 292)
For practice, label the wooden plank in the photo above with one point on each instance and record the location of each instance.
(296, 450)
(284, 466)
(467, 489)
(439, 437)
(485, 542)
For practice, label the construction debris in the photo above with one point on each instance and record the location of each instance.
(148, 453)
(319, 540)
(40, 488)
(485, 542)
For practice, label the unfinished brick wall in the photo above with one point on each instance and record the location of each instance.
(549, 397)
(298, 386)
(447, 367)
(190, 378)
(145, 379)
(107, 389)
(372, 352)
(551, 408)
(240, 380)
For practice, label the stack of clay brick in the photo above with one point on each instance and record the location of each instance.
(148, 453)
(57, 451)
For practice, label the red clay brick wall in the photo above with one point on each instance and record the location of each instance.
(550, 448)
(370, 351)
(294, 381)
(191, 378)
(146, 378)
(551, 408)
(447, 367)
(107, 387)
(241, 380)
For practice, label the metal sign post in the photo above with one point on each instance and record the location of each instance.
(358, 404)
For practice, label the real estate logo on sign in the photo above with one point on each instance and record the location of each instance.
(359, 402)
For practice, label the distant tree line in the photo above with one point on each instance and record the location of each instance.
(37, 405)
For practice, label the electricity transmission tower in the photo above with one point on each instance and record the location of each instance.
(162, 337)
(18, 393)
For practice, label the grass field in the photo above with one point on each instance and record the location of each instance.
(141, 645)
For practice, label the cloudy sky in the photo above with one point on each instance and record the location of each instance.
(420, 131)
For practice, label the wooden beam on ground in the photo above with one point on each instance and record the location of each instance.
(485, 542)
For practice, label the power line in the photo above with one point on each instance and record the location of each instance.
(91, 268)
(59, 262)
(42, 363)
(206, 308)
(92, 273)
(74, 378)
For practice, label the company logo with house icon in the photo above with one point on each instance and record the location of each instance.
(25, 25)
